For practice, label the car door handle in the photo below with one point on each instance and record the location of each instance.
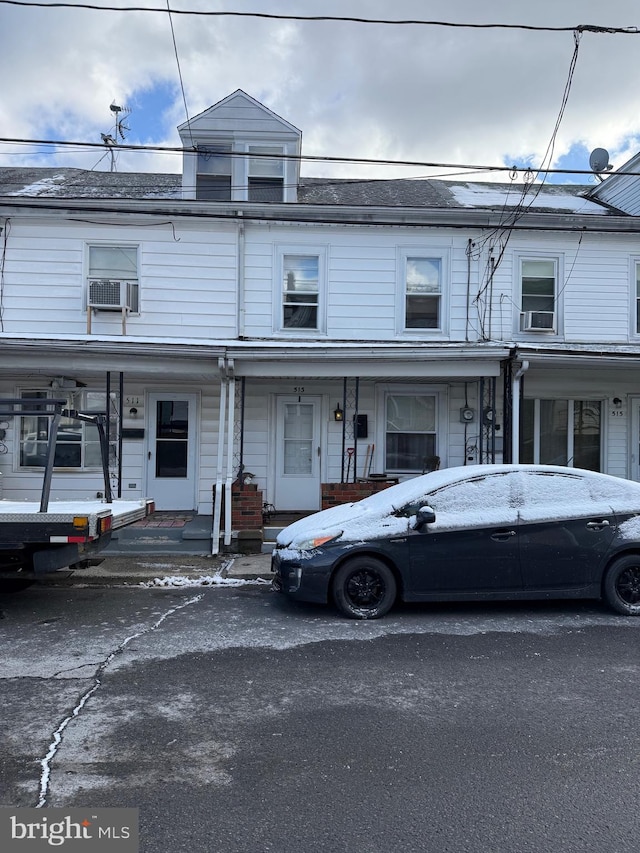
(503, 536)
(597, 525)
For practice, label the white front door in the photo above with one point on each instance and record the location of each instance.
(171, 451)
(298, 453)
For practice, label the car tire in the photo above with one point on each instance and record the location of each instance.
(364, 588)
(622, 585)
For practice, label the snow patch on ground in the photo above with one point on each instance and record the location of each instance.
(203, 580)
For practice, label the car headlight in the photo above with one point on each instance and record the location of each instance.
(316, 542)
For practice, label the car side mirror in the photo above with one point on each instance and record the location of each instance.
(424, 516)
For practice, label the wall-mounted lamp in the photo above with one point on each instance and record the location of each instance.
(338, 414)
(617, 401)
(133, 412)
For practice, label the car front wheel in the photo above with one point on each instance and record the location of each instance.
(622, 585)
(364, 588)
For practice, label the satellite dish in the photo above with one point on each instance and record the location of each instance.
(599, 160)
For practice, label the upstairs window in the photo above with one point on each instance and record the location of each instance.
(300, 300)
(538, 281)
(214, 169)
(113, 278)
(265, 174)
(423, 292)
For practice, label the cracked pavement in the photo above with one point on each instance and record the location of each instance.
(238, 722)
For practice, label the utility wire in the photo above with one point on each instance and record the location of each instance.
(175, 50)
(592, 28)
(312, 158)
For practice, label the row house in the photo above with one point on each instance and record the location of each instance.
(311, 338)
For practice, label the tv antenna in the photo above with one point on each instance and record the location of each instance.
(599, 162)
(111, 140)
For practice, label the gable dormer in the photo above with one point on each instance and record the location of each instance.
(238, 150)
(621, 189)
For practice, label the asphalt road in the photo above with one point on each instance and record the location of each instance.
(238, 722)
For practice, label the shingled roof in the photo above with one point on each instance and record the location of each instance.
(69, 183)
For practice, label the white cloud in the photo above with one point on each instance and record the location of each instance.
(355, 90)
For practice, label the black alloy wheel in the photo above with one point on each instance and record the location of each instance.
(364, 588)
(622, 585)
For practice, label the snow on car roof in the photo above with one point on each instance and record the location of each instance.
(373, 516)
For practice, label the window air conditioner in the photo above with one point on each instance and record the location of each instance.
(105, 294)
(538, 321)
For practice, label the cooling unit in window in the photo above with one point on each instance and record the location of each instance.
(538, 321)
(105, 294)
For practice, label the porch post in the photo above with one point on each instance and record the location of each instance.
(515, 412)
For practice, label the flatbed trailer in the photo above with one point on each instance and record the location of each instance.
(38, 537)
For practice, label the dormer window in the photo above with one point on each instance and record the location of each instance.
(240, 151)
(213, 179)
(265, 174)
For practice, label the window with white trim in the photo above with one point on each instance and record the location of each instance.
(423, 292)
(301, 286)
(538, 293)
(265, 178)
(562, 432)
(78, 443)
(112, 280)
(410, 433)
(213, 172)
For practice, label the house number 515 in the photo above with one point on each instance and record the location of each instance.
(298, 389)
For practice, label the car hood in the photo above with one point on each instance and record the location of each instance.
(351, 522)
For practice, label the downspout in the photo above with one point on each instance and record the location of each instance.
(515, 411)
(240, 265)
(230, 426)
(217, 497)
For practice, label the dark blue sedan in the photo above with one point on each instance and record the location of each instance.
(483, 532)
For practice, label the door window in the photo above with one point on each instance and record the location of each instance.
(298, 438)
(172, 438)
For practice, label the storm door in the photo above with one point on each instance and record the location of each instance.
(298, 453)
(171, 454)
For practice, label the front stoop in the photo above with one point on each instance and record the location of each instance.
(163, 535)
(173, 533)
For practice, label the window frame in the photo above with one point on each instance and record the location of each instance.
(440, 395)
(77, 399)
(635, 296)
(301, 251)
(536, 433)
(134, 282)
(558, 261)
(224, 148)
(427, 253)
(264, 181)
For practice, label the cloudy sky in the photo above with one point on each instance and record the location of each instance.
(426, 93)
